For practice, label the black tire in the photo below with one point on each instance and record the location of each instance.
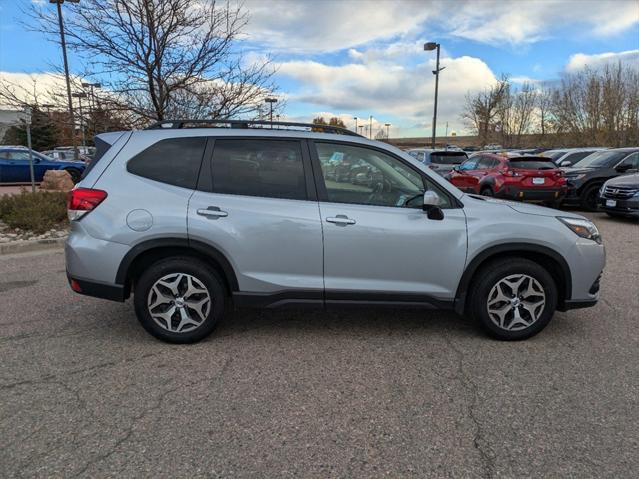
(589, 198)
(486, 191)
(494, 272)
(189, 266)
(75, 174)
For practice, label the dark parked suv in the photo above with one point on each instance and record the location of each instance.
(620, 196)
(586, 176)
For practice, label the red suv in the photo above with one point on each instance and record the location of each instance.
(524, 178)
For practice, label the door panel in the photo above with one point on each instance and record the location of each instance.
(259, 210)
(377, 238)
(273, 244)
(393, 250)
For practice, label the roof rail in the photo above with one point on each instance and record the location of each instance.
(244, 124)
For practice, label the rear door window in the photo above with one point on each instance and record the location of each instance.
(266, 168)
(175, 161)
(446, 158)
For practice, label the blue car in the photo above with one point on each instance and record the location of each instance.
(14, 165)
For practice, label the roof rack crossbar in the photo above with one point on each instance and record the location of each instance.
(244, 124)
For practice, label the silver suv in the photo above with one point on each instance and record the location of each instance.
(194, 218)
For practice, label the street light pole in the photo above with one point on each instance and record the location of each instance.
(80, 96)
(355, 118)
(370, 127)
(27, 112)
(270, 101)
(66, 72)
(387, 125)
(430, 46)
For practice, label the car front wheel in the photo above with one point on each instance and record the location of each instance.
(513, 298)
(179, 300)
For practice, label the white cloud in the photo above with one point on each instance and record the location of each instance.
(389, 89)
(581, 60)
(331, 25)
(325, 26)
(46, 87)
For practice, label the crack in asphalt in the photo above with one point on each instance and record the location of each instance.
(480, 442)
(147, 411)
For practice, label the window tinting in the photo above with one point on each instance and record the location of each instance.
(175, 161)
(447, 158)
(268, 168)
(532, 163)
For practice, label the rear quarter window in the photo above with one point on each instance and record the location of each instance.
(175, 161)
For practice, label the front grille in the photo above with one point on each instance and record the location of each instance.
(620, 192)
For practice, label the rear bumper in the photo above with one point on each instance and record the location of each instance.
(530, 194)
(113, 292)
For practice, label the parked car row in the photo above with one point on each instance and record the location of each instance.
(568, 176)
(14, 165)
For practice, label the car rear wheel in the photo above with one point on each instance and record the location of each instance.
(514, 298)
(75, 174)
(589, 198)
(179, 300)
(486, 192)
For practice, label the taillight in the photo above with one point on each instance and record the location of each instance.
(512, 173)
(82, 200)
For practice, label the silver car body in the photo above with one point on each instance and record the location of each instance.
(279, 245)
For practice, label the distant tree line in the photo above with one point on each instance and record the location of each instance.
(588, 108)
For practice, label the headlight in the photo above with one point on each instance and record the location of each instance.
(575, 177)
(583, 228)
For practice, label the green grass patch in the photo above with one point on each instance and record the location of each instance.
(37, 212)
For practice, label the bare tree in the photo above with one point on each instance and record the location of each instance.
(481, 110)
(544, 117)
(166, 58)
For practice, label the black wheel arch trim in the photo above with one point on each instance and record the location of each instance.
(496, 250)
(202, 248)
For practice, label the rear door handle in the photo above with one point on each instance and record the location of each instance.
(341, 220)
(212, 212)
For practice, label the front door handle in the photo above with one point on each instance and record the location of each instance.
(212, 212)
(341, 220)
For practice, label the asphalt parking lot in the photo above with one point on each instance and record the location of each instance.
(84, 391)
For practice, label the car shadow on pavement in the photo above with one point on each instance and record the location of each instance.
(360, 322)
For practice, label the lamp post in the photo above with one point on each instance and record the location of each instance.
(355, 118)
(370, 127)
(430, 46)
(270, 101)
(91, 86)
(80, 96)
(387, 125)
(66, 70)
(361, 128)
(27, 114)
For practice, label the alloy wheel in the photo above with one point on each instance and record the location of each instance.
(179, 302)
(516, 302)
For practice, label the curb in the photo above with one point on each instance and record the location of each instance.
(25, 246)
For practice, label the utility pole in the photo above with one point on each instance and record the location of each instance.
(66, 71)
(270, 101)
(430, 46)
(80, 96)
(27, 112)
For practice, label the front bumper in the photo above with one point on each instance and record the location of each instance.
(621, 206)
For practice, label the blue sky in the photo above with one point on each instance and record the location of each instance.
(361, 57)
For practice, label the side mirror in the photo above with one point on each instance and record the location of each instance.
(456, 168)
(566, 163)
(622, 168)
(431, 206)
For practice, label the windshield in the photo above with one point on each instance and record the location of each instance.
(554, 154)
(601, 159)
(447, 158)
